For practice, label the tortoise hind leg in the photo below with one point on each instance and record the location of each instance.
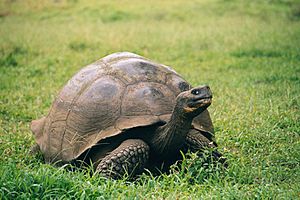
(35, 149)
(37, 127)
(130, 157)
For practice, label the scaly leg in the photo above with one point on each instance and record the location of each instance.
(130, 157)
(197, 142)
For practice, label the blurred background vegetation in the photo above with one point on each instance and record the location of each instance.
(247, 51)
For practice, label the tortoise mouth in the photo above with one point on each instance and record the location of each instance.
(201, 101)
(202, 97)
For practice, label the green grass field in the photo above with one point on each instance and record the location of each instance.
(247, 51)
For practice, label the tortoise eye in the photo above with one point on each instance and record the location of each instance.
(196, 92)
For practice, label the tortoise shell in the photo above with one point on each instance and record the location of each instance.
(116, 93)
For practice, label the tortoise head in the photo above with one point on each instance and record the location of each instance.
(194, 101)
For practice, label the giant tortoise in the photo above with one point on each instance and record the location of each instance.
(124, 113)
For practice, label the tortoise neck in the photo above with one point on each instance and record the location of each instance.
(169, 138)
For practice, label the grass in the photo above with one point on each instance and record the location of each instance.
(247, 51)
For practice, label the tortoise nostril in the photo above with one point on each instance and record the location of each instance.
(206, 87)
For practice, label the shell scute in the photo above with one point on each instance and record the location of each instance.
(80, 80)
(138, 70)
(147, 98)
(98, 107)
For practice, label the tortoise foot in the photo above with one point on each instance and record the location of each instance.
(129, 158)
(196, 142)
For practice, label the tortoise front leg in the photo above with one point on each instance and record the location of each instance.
(130, 157)
(197, 142)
